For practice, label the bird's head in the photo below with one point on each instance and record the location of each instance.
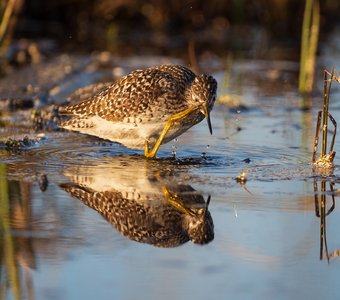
(203, 95)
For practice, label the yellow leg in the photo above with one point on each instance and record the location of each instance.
(174, 118)
(174, 200)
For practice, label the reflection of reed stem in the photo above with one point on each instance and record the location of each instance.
(8, 239)
(320, 211)
(323, 237)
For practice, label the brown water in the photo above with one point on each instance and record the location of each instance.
(268, 240)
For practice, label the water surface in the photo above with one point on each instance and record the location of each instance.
(268, 235)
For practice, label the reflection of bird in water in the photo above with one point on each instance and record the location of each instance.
(145, 108)
(164, 215)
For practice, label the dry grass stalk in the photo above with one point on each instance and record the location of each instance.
(325, 160)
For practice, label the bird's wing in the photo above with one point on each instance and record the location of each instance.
(131, 96)
(180, 73)
(88, 91)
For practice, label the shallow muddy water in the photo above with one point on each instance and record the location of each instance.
(84, 218)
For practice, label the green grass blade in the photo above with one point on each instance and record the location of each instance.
(309, 43)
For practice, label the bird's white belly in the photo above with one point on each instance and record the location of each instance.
(131, 135)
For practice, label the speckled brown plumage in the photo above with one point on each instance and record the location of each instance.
(136, 107)
(154, 222)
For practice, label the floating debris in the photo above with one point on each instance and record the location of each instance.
(18, 145)
(242, 178)
(336, 253)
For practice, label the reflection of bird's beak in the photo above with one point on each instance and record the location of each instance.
(206, 112)
(206, 207)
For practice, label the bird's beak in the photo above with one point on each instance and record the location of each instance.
(207, 115)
